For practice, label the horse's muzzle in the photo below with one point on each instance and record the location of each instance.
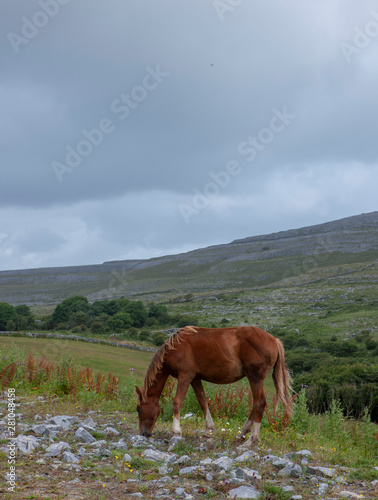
(146, 433)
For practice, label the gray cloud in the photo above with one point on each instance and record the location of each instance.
(217, 84)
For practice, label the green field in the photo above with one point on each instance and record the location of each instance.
(99, 357)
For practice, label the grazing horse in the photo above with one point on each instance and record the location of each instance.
(219, 356)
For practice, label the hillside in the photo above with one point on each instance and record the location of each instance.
(286, 258)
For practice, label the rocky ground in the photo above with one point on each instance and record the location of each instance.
(96, 455)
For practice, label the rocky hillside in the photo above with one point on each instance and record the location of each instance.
(304, 254)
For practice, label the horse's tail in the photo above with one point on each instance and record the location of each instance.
(282, 380)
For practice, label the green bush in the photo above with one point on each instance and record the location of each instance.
(144, 335)
(159, 338)
(120, 321)
(7, 313)
(97, 327)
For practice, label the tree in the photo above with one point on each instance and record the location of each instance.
(64, 309)
(7, 313)
(159, 312)
(137, 311)
(23, 310)
(120, 321)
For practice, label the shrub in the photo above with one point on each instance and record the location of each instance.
(144, 335)
(80, 329)
(133, 333)
(11, 325)
(120, 321)
(159, 338)
(300, 418)
(97, 327)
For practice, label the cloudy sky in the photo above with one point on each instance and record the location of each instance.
(137, 128)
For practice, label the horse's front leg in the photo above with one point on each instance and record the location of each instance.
(182, 389)
(201, 397)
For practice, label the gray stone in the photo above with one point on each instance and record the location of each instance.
(82, 452)
(89, 422)
(269, 458)
(165, 479)
(74, 481)
(69, 457)
(206, 461)
(296, 471)
(64, 421)
(171, 459)
(56, 449)
(184, 459)
(162, 492)
(98, 444)
(341, 480)
(296, 497)
(163, 470)
(102, 452)
(120, 445)
(321, 471)
(322, 489)
(247, 474)
(26, 444)
(110, 431)
(49, 430)
(83, 435)
(127, 457)
(173, 442)
(138, 441)
(304, 453)
(181, 493)
(188, 470)
(287, 488)
(281, 463)
(286, 471)
(224, 463)
(248, 455)
(155, 456)
(349, 494)
(244, 492)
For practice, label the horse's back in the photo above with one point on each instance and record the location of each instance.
(221, 355)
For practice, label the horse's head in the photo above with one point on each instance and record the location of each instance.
(148, 412)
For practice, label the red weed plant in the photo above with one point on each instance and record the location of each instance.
(226, 403)
(7, 374)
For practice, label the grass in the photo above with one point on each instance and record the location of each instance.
(101, 357)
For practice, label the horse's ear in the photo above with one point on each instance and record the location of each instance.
(137, 390)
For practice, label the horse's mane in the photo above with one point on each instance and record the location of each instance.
(158, 360)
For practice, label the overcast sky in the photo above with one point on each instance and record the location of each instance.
(137, 128)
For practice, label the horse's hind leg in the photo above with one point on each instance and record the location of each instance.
(255, 417)
(201, 397)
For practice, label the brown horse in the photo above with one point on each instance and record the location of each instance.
(220, 356)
